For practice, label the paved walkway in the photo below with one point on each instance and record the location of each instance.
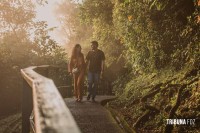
(93, 117)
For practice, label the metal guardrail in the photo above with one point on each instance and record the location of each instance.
(41, 96)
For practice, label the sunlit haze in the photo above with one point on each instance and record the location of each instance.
(46, 13)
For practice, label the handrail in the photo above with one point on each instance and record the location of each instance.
(51, 115)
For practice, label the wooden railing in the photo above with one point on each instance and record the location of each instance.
(43, 108)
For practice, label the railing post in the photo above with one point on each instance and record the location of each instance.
(27, 107)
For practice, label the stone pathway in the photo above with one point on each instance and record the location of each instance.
(93, 117)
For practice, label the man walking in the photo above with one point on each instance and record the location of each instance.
(95, 59)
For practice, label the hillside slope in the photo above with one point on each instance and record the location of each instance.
(11, 124)
(147, 101)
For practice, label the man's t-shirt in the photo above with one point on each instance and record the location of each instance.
(95, 58)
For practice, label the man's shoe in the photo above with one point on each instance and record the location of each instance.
(88, 97)
(93, 100)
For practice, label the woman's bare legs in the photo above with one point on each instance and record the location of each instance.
(75, 86)
(80, 82)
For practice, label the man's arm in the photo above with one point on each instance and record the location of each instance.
(102, 68)
(102, 64)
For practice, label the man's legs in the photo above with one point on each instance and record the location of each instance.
(90, 83)
(96, 84)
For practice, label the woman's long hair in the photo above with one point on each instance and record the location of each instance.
(74, 53)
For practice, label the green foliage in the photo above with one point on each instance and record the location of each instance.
(153, 36)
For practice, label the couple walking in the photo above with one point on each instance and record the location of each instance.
(78, 66)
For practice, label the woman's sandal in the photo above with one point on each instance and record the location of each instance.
(79, 100)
